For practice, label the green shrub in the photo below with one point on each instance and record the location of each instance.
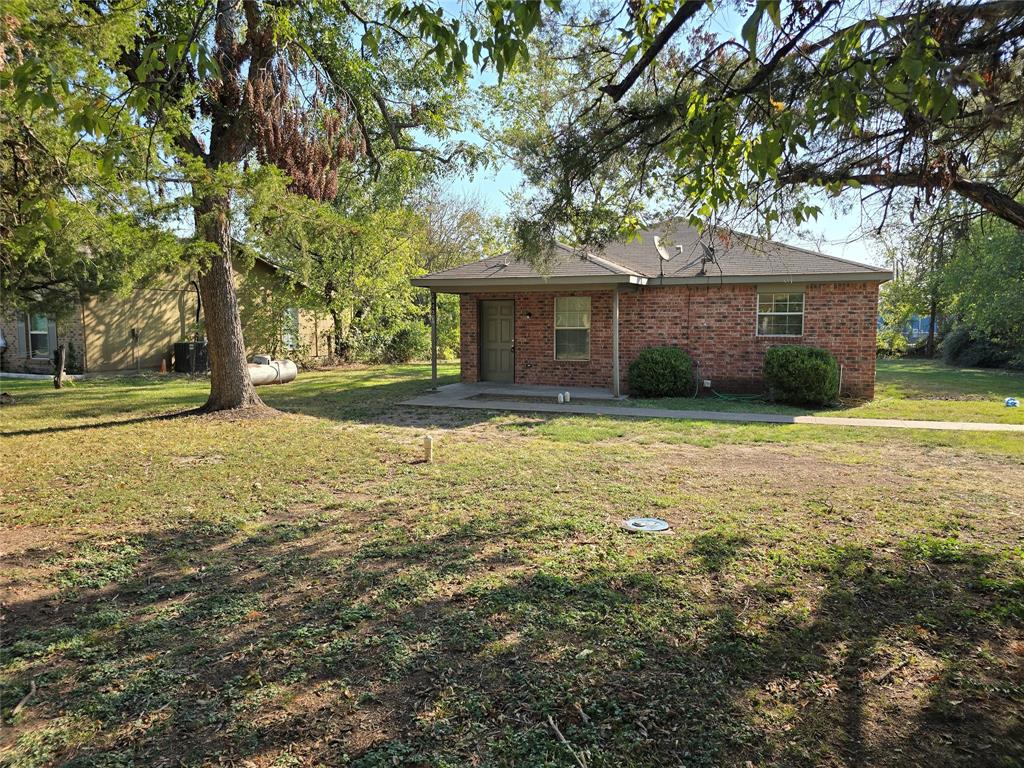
(797, 374)
(661, 372)
(410, 341)
(965, 347)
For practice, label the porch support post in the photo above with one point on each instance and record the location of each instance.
(433, 340)
(615, 342)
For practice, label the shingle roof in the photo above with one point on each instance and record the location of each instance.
(734, 254)
(736, 258)
(565, 262)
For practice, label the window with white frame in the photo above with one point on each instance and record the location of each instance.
(780, 313)
(39, 336)
(572, 328)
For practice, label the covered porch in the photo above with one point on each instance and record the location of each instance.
(516, 340)
(558, 329)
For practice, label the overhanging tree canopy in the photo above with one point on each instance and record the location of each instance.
(674, 113)
(216, 84)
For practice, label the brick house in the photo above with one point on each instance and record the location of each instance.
(137, 330)
(724, 300)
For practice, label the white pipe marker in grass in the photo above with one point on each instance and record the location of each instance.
(428, 449)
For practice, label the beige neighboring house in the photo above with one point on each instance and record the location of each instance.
(138, 331)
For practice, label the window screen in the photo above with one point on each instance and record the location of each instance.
(39, 336)
(572, 328)
(780, 314)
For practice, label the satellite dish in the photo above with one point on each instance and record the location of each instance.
(662, 251)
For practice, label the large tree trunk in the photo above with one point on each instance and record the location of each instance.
(230, 385)
(337, 340)
(58, 366)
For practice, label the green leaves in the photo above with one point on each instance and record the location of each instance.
(35, 84)
(750, 28)
(984, 282)
(160, 59)
(753, 23)
(500, 42)
(371, 40)
(50, 217)
(803, 212)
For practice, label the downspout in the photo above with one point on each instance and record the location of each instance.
(199, 306)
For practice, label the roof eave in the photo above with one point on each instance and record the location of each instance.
(498, 284)
(494, 284)
(873, 276)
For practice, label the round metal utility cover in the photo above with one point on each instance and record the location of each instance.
(648, 524)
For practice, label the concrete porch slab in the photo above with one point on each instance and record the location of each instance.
(459, 396)
(461, 391)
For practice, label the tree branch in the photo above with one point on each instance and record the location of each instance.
(988, 11)
(765, 71)
(686, 11)
(394, 131)
(985, 195)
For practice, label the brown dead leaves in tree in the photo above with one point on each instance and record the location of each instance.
(306, 136)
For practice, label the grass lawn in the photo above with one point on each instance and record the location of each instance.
(904, 389)
(302, 590)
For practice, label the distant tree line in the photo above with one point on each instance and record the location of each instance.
(352, 259)
(966, 275)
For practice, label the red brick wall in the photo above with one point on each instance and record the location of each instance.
(535, 342)
(716, 325)
(535, 339)
(469, 337)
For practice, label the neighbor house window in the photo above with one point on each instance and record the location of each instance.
(572, 328)
(39, 337)
(290, 331)
(780, 314)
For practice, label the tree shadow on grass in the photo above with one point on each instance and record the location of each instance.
(103, 424)
(716, 549)
(345, 639)
(354, 399)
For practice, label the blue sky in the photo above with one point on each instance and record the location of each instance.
(839, 232)
(842, 230)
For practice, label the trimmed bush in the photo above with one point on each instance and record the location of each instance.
(803, 375)
(661, 372)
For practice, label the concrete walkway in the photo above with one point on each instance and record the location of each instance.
(460, 396)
